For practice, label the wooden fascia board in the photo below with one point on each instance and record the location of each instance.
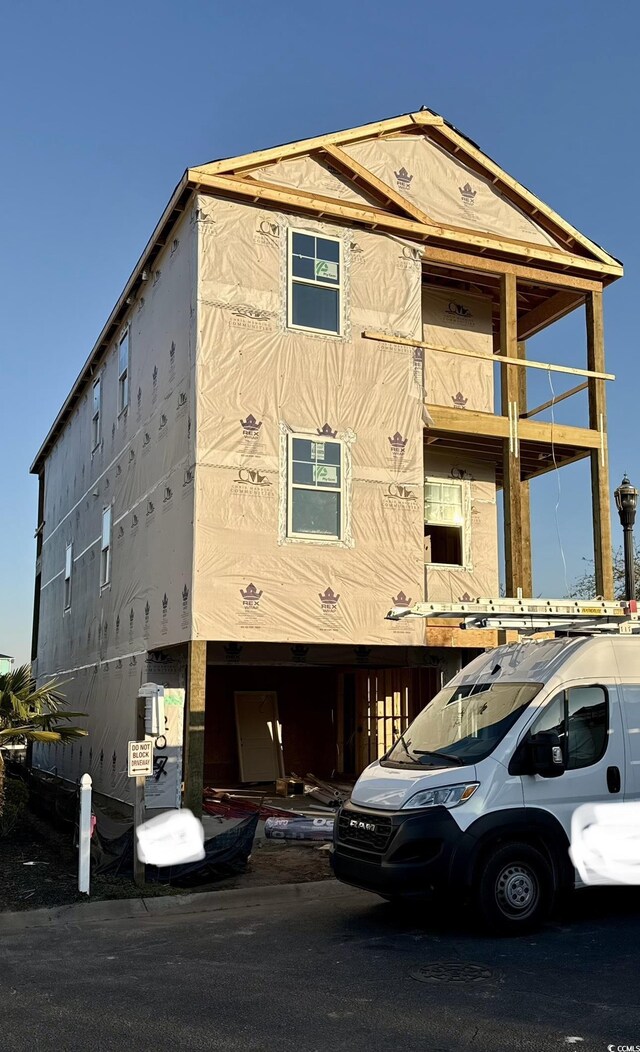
(111, 323)
(499, 176)
(467, 264)
(466, 421)
(554, 308)
(350, 168)
(294, 149)
(301, 200)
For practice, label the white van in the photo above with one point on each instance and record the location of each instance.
(477, 796)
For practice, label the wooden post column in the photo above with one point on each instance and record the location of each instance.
(194, 726)
(516, 526)
(600, 495)
(525, 497)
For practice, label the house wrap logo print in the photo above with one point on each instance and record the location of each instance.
(251, 597)
(468, 195)
(399, 497)
(398, 444)
(251, 427)
(401, 600)
(403, 179)
(252, 477)
(458, 310)
(329, 601)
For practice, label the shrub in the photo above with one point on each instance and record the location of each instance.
(16, 798)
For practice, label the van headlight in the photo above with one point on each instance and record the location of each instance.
(445, 796)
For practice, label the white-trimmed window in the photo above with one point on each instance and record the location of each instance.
(314, 271)
(315, 491)
(96, 418)
(105, 548)
(123, 371)
(444, 522)
(68, 570)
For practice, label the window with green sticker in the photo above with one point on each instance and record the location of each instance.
(314, 490)
(314, 285)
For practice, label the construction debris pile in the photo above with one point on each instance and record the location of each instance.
(293, 808)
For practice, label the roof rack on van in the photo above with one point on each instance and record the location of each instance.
(565, 616)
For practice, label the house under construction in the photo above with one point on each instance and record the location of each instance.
(287, 426)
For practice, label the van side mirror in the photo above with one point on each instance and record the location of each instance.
(546, 754)
(539, 754)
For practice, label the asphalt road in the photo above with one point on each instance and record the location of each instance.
(331, 974)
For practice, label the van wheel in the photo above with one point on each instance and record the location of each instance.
(514, 893)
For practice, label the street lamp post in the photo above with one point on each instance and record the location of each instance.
(627, 502)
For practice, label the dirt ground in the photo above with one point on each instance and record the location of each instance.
(38, 867)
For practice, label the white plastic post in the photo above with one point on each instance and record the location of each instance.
(84, 839)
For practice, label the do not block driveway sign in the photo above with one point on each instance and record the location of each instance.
(140, 759)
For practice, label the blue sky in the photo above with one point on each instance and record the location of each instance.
(104, 106)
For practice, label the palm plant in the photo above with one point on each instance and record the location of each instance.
(32, 714)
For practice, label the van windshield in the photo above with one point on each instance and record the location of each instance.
(461, 725)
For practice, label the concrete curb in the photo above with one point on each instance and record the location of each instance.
(205, 902)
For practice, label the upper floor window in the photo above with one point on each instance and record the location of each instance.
(579, 716)
(314, 283)
(96, 424)
(315, 495)
(105, 548)
(444, 522)
(123, 372)
(68, 568)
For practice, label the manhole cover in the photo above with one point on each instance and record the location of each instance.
(454, 972)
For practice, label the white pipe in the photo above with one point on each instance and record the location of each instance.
(84, 839)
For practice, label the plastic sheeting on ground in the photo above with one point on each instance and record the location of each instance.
(225, 854)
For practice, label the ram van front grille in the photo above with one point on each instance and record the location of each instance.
(369, 832)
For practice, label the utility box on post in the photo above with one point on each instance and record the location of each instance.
(153, 695)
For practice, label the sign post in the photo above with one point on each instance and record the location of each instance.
(140, 764)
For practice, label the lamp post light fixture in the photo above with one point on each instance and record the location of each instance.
(627, 502)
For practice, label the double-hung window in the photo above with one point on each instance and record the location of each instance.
(68, 568)
(123, 372)
(315, 283)
(444, 522)
(96, 426)
(105, 548)
(315, 492)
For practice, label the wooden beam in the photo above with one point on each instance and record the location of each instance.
(300, 200)
(368, 334)
(547, 312)
(459, 261)
(600, 499)
(525, 497)
(563, 462)
(470, 422)
(554, 401)
(352, 168)
(294, 149)
(511, 477)
(438, 635)
(194, 726)
(540, 211)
